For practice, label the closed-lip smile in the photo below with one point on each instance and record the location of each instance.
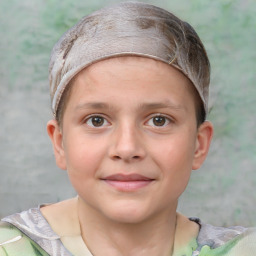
(128, 182)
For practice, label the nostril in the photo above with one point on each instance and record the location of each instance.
(116, 157)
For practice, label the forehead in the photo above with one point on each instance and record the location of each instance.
(140, 74)
(111, 79)
(130, 67)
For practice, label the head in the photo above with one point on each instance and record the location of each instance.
(129, 29)
(129, 98)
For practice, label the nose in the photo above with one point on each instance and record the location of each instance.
(127, 144)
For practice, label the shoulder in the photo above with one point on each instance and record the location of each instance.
(15, 243)
(32, 224)
(215, 236)
(221, 241)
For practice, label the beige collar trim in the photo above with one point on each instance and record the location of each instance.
(68, 228)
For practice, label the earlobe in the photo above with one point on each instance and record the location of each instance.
(55, 135)
(203, 141)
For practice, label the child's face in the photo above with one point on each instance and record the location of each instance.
(129, 138)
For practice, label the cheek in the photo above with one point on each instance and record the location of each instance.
(175, 159)
(175, 152)
(83, 157)
(82, 168)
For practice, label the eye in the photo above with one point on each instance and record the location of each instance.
(159, 121)
(96, 121)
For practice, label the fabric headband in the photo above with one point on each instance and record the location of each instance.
(130, 28)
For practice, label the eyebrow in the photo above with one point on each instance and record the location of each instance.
(144, 106)
(94, 105)
(166, 104)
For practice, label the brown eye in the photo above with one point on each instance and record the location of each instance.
(159, 120)
(96, 121)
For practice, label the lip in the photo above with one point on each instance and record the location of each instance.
(128, 182)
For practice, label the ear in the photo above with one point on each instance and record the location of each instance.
(56, 137)
(203, 141)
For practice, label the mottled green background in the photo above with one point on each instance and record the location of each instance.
(222, 192)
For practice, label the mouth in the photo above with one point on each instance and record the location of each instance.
(128, 183)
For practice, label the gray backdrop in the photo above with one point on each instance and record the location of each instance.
(222, 192)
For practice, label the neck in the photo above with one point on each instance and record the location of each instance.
(154, 236)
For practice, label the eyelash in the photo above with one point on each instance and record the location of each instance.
(167, 120)
(89, 121)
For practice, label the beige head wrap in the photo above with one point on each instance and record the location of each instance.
(129, 28)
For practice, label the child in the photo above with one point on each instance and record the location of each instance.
(129, 89)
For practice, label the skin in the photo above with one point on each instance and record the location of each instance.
(146, 127)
